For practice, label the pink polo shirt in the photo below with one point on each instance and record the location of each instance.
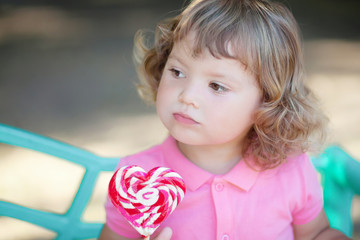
(242, 204)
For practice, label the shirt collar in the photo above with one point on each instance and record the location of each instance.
(194, 177)
(241, 175)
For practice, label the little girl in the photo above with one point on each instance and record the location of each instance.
(226, 77)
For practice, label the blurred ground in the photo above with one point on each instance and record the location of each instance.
(66, 72)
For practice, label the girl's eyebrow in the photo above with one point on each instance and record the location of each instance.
(217, 75)
(178, 59)
(223, 76)
(172, 57)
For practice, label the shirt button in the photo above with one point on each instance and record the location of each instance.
(225, 237)
(219, 187)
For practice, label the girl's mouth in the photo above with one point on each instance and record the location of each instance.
(184, 119)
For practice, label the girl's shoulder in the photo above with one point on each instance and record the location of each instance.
(295, 167)
(299, 171)
(301, 162)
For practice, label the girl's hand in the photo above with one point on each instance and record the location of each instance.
(165, 234)
(108, 234)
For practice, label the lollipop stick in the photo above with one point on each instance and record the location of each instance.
(147, 238)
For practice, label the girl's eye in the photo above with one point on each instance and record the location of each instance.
(218, 88)
(177, 73)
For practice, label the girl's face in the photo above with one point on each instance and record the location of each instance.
(203, 100)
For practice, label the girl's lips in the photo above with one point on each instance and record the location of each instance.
(185, 119)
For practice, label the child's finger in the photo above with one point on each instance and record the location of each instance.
(165, 234)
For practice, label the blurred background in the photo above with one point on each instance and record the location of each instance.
(66, 72)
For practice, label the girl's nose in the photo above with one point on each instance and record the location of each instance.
(189, 96)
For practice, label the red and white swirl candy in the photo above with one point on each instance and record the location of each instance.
(146, 199)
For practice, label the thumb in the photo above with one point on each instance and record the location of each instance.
(165, 234)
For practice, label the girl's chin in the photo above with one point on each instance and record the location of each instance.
(190, 139)
(185, 139)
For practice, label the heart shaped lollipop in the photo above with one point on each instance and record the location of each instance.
(146, 199)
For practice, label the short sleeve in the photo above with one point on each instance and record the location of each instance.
(310, 202)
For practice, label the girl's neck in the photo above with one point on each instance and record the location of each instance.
(216, 159)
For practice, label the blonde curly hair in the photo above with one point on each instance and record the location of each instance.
(266, 39)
